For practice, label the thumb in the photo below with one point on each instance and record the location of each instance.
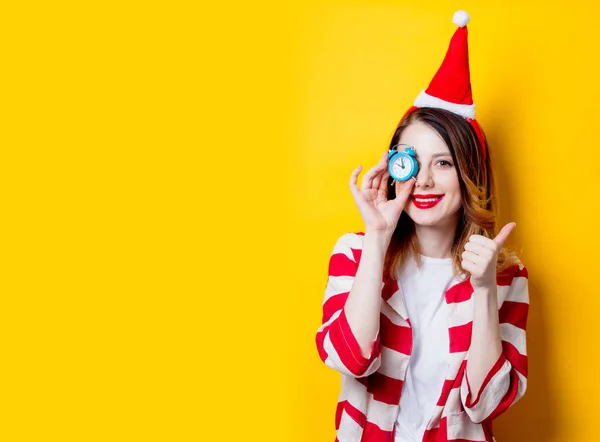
(504, 234)
(403, 193)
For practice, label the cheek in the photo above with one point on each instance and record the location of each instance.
(449, 183)
(454, 187)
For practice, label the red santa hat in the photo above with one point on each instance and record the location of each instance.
(450, 88)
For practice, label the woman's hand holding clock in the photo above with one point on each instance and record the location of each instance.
(379, 214)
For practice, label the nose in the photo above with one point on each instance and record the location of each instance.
(424, 178)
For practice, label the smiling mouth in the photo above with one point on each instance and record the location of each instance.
(426, 201)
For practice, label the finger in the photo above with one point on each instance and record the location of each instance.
(381, 180)
(382, 168)
(479, 249)
(384, 188)
(471, 257)
(403, 191)
(367, 182)
(354, 175)
(468, 266)
(384, 158)
(504, 234)
(483, 241)
(354, 178)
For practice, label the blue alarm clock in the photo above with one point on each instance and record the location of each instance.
(402, 165)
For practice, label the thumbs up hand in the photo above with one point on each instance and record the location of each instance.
(481, 255)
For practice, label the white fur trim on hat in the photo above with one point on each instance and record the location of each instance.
(426, 100)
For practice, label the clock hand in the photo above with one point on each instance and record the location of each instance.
(402, 161)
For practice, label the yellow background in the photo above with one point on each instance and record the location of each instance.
(174, 176)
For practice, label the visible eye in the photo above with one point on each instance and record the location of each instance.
(444, 164)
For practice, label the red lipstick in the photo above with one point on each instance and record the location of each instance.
(426, 201)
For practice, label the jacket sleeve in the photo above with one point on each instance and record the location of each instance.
(336, 343)
(506, 382)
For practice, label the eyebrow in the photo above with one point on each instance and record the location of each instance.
(441, 154)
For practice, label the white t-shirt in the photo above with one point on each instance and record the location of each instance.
(423, 290)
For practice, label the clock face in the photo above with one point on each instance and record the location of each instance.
(401, 167)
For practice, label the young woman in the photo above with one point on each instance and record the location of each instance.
(425, 312)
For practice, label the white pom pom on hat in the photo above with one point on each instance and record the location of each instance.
(461, 18)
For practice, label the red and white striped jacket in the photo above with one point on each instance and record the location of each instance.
(369, 401)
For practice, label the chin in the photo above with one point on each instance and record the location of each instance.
(421, 218)
(426, 221)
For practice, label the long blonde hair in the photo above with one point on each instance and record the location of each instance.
(478, 211)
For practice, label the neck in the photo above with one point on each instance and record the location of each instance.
(436, 241)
